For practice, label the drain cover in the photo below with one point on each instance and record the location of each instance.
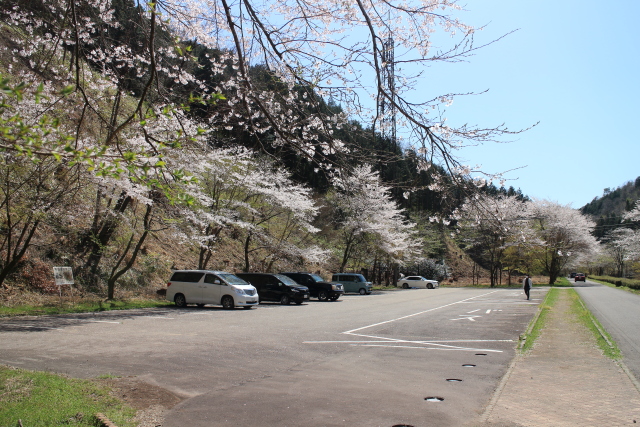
(454, 380)
(481, 354)
(468, 365)
(434, 399)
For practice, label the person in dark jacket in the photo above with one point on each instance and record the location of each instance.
(527, 285)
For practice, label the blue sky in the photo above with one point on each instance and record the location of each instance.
(574, 67)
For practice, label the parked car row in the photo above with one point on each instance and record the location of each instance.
(246, 290)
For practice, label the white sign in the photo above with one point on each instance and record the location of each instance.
(63, 275)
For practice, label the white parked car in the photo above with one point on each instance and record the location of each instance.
(202, 287)
(417, 282)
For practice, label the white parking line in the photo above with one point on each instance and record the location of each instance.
(102, 321)
(351, 332)
(377, 341)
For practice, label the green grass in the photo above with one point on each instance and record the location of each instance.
(43, 399)
(608, 345)
(539, 321)
(582, 314)
(79, 307)
(563, 282)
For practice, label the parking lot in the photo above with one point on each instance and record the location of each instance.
(408, 357)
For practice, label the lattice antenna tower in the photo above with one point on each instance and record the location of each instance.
(386, 107)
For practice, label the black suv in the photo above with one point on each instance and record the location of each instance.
(276, 287)
(318, 288)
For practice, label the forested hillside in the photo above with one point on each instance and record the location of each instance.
(608, 210)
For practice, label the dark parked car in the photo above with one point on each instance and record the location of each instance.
(276, 287)
(318, 288)
(580, 277)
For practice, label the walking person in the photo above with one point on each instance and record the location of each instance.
(527, 285)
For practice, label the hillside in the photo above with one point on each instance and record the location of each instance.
(607, 210)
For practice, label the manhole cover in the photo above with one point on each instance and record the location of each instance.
(454, 380)
(481, 354)
(434, 399)
(468, 365)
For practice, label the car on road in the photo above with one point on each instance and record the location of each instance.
(203, 287)
(353, 282)
(580, 277)
(417, 282)
(318, 288)
(276, 287)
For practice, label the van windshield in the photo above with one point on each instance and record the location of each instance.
(286, 280)
(232, 279)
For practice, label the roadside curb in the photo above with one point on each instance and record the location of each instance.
(620, 363)
(505, 379)
(104, 421)
(498, 391)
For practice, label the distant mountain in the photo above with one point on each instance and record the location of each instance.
(607, 210)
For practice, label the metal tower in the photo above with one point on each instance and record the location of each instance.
(386, 107)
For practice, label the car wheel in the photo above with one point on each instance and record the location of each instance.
(180, 300)
(363, 291)
(323, 296)
(405, 286)
(285, 300)
(227, 302)
(429, 285)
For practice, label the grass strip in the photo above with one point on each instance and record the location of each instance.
(563, 282)
(539, 321)
(43, 399)
(83, 306)
(604, 340)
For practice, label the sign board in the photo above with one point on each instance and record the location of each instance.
(63, 275)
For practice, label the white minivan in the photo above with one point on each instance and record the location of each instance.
(202, 287)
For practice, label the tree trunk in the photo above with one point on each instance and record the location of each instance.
(115, 275)
(107, 229)
(247, 243)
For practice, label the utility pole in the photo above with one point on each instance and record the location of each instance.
(386, 106)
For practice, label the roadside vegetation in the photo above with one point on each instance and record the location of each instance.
(583, 315)
(605, 342)
(78, 306)
(619, 282)
(40, 399)
(538, 323)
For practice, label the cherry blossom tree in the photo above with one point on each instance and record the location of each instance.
(33, 197)
(493, 225)
(238, 190)
(365, 214)
(566, 233)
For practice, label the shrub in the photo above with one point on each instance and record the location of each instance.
(629, 283)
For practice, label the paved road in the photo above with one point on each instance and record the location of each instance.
(361, 361)
(619, 313)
